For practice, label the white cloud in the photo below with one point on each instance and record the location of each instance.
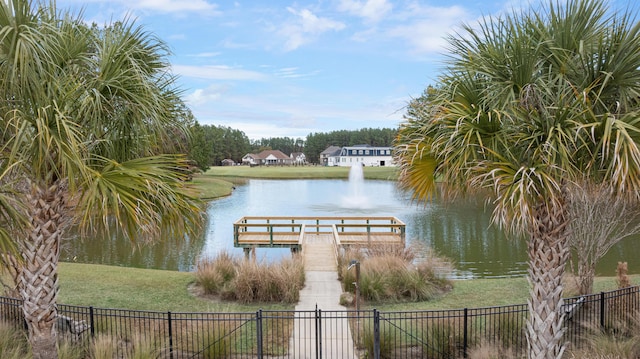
(218, 72)
(371, 10)
(306, 27)
(279, 114)
(425, 28)
(162, 6)
(173, 6)
(205, 54)
(292, 73)
(204, 96)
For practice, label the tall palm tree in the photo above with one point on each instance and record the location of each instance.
(528, 103)
(85, 114)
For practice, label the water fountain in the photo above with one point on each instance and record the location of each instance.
(355, 199)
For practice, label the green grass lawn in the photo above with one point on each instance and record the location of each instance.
(299, 172)
(141, 289)
(159, 290)
(211, 187)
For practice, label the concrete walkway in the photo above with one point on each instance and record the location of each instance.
(322, 291)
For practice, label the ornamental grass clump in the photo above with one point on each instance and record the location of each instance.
(269, 282)
(214, 275)
(602, 344)
(386, 340)
(249, 281)
(444, 338)
(392, 275)
(13, 342)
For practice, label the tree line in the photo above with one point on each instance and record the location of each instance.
(209, 145)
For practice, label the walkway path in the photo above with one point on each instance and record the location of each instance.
(322, 291)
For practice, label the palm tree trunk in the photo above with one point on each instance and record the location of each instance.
(548, 251)
(38, 278)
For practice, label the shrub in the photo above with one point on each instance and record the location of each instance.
(141, 347)
(13, 342)
(216, 275)
(268, 282)
(604, 345)
(510, 330)
(217, 343)
(491, 351)
(387, 339)
(393, 275)
(250, 281)
(444, 339)
(68, 349)
(103, 347)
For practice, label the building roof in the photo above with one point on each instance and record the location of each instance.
(275, 153)
(331, 150)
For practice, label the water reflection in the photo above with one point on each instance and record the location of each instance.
(461, 232)
(112, 249)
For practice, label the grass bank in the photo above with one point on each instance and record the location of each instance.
(299, 172)
(219, 181)
(140, 289)
(159, 290)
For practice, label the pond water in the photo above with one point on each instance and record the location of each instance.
(460, 232)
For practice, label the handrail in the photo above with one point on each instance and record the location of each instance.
(336, 244)
(332, 218)
(278, 231)
(301, 236)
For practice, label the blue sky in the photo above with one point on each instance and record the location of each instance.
(290, 68)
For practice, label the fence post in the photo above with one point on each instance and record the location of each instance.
(271, 235)
(259, 332)
(602, 308)
(376, 334)
(170, 335)
(318, 333)
(464, 334)
(92, 323)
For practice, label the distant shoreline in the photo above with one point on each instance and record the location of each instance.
(220, 181)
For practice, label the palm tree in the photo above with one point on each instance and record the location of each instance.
(530, 102)
(85, 117)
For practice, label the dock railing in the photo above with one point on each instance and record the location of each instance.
(283, 231)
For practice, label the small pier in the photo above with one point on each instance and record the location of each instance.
(292, 232)
(319, 240)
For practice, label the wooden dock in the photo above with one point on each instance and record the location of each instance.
(319, 239)
(294, 232)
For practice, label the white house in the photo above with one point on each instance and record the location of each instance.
(327, 156)
(364, 154)
(251, 159)
(298, 158)
(267, 157)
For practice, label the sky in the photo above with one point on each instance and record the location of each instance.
(290, 68)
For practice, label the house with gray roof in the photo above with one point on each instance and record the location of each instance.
(365, 155)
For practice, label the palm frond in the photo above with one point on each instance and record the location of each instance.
(145, 196)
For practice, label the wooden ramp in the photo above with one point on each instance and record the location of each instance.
(319, 252)
(322, 291)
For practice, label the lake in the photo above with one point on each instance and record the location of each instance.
(461, 232)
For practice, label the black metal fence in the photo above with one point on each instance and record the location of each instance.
(331, 334)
